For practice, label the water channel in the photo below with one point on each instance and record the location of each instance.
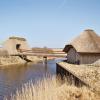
(14, 77)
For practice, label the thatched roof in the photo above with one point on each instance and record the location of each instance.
(3, 52)
(18, 38)
(96, 63)
(87, 42)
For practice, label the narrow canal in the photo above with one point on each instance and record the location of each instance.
(12, 78)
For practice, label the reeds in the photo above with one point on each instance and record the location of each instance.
(51, 89)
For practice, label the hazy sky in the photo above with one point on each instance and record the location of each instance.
(50, 23)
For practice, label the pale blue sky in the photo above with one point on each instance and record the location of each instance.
(50, 23)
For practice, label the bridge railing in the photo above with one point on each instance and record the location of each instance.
(31, 51)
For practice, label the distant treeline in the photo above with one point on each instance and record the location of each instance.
(42, 50)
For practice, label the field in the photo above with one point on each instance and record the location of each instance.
(42, 50)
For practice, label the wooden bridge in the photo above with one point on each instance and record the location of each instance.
(39, 53)
(22, 53)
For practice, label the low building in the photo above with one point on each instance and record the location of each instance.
(14, 43)
(85, 49)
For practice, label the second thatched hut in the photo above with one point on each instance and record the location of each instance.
(14, 43)
(85, 49)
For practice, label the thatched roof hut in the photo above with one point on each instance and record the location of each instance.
(14, 43)
(84, 49)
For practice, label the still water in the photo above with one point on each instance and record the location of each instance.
(12, 78)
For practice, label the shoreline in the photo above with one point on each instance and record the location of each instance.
(8, 62)
(10, 65)
(17, 64)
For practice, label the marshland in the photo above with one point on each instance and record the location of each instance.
(49, 49)
(46, 76)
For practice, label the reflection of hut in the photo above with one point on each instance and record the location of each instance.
(85, 49)
(15, 43)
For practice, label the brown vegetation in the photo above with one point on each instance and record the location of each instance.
(51, 89)
(42, 50)
(90, 74)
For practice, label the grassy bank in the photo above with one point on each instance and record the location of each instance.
(51, 89)
(6, 61)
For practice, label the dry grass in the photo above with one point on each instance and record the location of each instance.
(88, 73)
(51, 89)
(10, 60)
(7, 60)
(42, 50)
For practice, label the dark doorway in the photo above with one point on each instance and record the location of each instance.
(18, 46)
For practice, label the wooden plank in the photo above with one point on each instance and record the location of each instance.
(40, 54)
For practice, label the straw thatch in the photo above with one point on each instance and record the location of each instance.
(11, 44)
(3, 52)
(86, 42)
(84, 49)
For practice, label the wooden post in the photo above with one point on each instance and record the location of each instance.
(45, 60)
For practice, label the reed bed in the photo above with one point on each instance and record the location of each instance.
(52, 89)
(8, 60)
